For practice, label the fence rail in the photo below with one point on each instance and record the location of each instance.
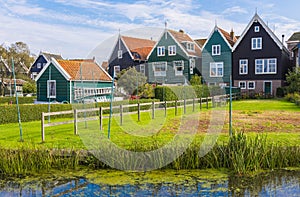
(162, 105)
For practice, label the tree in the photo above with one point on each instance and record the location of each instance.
(146, 91)
(293, 79)
(130, 79)
(29, 87)
(195, 80)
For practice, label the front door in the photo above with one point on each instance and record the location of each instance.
(268, 87)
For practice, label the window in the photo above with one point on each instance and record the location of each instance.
(266, 66)
(211, 83)
(256, 43)
(216, 49)
(190, 46)
(251, 85)
(243, 67)
(120, 54)
(116, 71)
(216, 69)
(256, 29)
(142, 68)
(39, 65)
(161, 51)
(51, 89)
(160, 69)
(242, 84)
(178, 67)
(192, 65)
(172, 50)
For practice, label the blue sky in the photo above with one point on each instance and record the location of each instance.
(74, 28)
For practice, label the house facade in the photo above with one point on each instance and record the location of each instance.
(293, 44)
(40, 62)
(73, 81)
(129, 52)
(174, 59)
(217, 57)
(260, 60)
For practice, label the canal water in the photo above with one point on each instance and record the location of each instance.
(156, 183)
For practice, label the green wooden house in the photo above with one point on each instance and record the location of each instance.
(73, 81)
(174, 59)
(217, 57)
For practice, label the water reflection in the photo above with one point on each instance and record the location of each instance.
(279, 183)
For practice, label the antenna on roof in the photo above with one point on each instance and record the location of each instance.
(166, 25)
(119, 40)
(256, 11)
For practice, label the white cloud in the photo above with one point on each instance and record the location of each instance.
(235, 10)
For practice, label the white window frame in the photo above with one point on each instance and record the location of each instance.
(142, 69)
(120, 54)
(190, 46)
(251, 88)
(216, 66)
(243, 70)
(161, 51)
(117, 70)
(243, 82)
(51, 89)
(178, 67)
(39, 65)
(256, 43)
(265, 66)
(159, 72)
(256, 29)
(216, 49)
(172, 50)
(192, 65)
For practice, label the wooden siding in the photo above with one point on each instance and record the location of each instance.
(269, 50)
(62, 86)
(170, 75)
(225, 57)
(41, 60)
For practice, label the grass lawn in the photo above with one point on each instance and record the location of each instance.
(279, 120)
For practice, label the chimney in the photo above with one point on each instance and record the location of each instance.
(181, 31)
(282, 40)
(231, 34)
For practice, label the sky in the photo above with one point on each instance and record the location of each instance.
(79, 28)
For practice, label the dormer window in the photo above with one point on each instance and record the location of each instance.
(256, 29)
(190, 46)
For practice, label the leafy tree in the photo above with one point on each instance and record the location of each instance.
(195, 80)
(146, 91)
(293, 79)
(29, 88)
(130, 79)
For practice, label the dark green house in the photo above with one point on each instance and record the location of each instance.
(73, 81)
(174, 59)
(217, 57)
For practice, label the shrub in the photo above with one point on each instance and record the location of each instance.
(280, 92)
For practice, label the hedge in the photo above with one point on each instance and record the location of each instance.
(12, 100)
(171, 93)
(33, 112)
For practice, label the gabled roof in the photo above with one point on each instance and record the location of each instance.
(48, 56)
(139, 46)
(268, 30)
(181, 37)
(86, 70)
(201, 42)
(229, 38)
(295, 37)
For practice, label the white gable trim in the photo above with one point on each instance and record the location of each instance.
(269, 31)
(59, 68)
(156, 44)
(127, 48)
(211, 34)
(180, 45)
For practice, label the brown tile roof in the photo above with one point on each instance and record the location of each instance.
(84, 69)
(201, 42)
(181, 38)
(140, 46)
(50, 55)
(228, 36)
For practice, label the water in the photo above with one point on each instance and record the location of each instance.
(157, 183)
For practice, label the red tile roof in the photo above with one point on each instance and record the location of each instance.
(84, 70)
(201, 42)
(138, 45)
(181, 38)
(230, 38)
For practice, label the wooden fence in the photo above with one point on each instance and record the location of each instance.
(121, 111)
